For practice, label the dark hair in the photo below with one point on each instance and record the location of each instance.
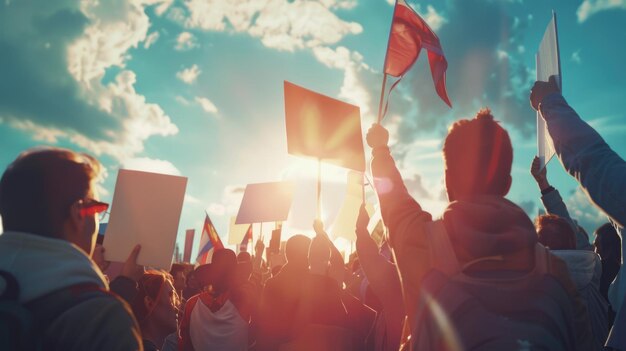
(554, 232)
(608, 244)
(179, 267)
(478, 156)
(39, 187)
(223, 270)
(151, 285)
(297, 249)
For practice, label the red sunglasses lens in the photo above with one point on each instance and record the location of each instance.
(93, 208)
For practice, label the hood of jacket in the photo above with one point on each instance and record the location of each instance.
(42, 265)
(583, 266)
(490, 226)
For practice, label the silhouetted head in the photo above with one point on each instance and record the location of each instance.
(244, 256)
(178, 273)
(607, 243)
(156, 303)
(297, 250)
(555, 233)
(223, 270)
(478, 157)
(319, 255)
(51, 192)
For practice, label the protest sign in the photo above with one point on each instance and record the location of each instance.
(236, 232)
(323, 128)
(146, 210)
(189, 234)
(265, 202)
(345, 222)
(548, 63)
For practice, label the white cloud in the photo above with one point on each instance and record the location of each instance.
(279, 24)
(217, 210)
(359, 79)
(591, 7)
(341, 4)
(584, 212)
(192, 199)
(162, 7)
(181, 100)
(186, 41)
(151, 39)
(434, 19)
(115, 29)
(151, 165)
(39, 133)
(206, 104)
(576, 56)
(189, 75)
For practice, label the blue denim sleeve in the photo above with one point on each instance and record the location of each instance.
(587, 157)
(553, 203)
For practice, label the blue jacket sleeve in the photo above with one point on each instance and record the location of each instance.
(553, 203)
(587, 157)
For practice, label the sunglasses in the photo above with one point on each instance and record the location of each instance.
(93, 207)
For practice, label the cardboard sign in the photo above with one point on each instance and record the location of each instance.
(146, 210)
(265, 202)
(189, 234)
(548, 63)
(236, 232)
(323, 128)
(345, 222)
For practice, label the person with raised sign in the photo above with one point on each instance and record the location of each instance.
(483, 252)
(599, 170)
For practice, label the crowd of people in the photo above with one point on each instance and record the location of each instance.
(484, 276)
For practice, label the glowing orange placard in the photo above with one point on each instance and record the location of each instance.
(324, 128)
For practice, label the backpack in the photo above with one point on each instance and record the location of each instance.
(23, 326)
(499, 310)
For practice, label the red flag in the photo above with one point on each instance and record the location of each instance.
(409, 34)
(209, 240)
(243, 246)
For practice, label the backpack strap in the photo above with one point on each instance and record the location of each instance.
(442, 254)
(48, 308)
(542, 260)
(184, 337)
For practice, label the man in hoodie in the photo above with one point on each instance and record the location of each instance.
(584, 268)
(479, 221)
(567, 240)
(49, 207)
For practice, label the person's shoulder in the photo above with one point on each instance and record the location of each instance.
(105, 322)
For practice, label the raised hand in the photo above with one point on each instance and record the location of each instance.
(362, 221)
(131, 269)
(542, 89)
(540, 175)
(377, 136)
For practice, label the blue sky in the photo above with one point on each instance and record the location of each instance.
(194, 87)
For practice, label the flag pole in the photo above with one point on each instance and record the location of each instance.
(319, 188)
(382, 90)
(382, 93)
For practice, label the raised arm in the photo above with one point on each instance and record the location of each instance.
(553, 203)
(583, 152)
(381, 274)
(404, 218)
